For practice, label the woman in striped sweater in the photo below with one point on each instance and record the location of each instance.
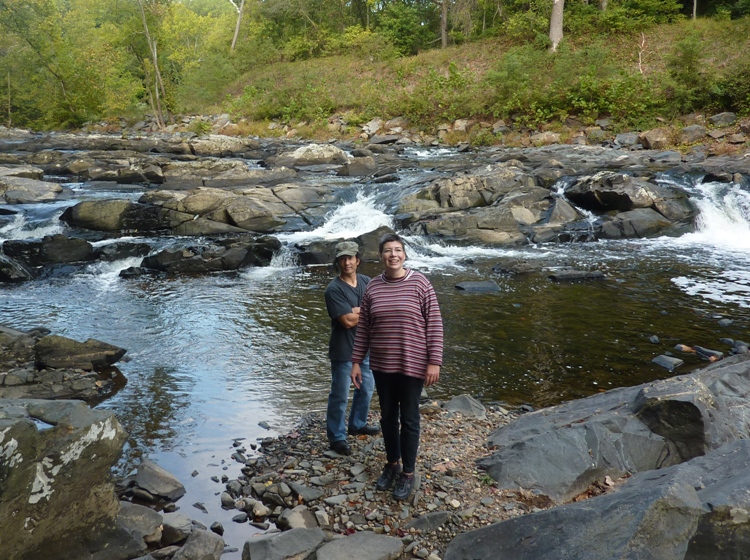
(401, 327)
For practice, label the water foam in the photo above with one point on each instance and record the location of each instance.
(345, 222)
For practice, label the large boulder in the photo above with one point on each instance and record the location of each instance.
(311, 154)
(642, 222)
(56, 351)
(113, 215)
(231, 254)
(560, 451)
(20, 190)
(51, 249)
(14, 271)
(56, 491)
(607, 190)
(697, 509)
(26, 171)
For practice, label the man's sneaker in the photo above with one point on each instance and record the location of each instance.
(366, 430)
(389, 476)
(404, 486)
(341, 447)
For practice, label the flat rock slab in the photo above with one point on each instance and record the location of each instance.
(697, 509)
(293, 544)
(559, 451)
(364, 545)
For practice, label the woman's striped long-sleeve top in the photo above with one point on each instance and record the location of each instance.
(400, 325)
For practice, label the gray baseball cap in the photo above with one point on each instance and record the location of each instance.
(346, 248)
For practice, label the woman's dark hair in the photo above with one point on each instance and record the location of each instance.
(387, 238)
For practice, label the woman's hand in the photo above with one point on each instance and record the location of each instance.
(356, 375)
(432, 376)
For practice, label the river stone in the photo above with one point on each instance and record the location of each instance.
(693, 133)
(176, 528)
(55, 485)
(51, 249)
(723, 119)
(311, 154)
(13, 271)
(429, 521)
(483, 286)
(299, 517)
(358, 167)
(158, 481)
(292, 544)
(141, 521)
(641, 222)
(668, 362)
(201, 545)
(656, 139)
(627, 139)
(114, 215)
(60, 352)
(363, 545)
(609, 190)
(467, 406)
(305, 493)
(20, 190)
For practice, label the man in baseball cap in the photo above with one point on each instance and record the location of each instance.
(343, 297)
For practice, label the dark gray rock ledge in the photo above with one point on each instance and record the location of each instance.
(683, 440)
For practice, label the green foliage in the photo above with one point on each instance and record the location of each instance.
(403, 25)
(362, 42)
(688, 85)
(439, 96)
(200, 127)
(534, 87)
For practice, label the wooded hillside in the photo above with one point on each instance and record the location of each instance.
(68, 62)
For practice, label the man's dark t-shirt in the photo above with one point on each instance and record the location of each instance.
(341, 298)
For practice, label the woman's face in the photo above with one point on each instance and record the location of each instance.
(393, 257)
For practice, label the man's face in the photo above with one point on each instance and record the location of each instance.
(348, 264)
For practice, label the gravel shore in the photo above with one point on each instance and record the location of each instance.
(453, 495)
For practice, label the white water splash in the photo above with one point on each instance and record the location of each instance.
(20, 228)
(345, 222)
(105, 276)
(724, 218)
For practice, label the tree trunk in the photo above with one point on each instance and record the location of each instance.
(695, 8)
(444, 24)
(603, 5)
(10, 120)
(556, 24)
(237, 27)
(158, 83)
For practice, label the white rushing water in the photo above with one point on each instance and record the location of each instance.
(721, 241)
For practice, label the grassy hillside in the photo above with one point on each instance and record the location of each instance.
(636, 79)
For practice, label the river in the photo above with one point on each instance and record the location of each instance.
(210, 358)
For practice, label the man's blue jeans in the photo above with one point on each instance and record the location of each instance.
(337, 398)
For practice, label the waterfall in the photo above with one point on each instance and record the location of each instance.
(722, 233)
(345, 222)
(21, 228)
(724, 217)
